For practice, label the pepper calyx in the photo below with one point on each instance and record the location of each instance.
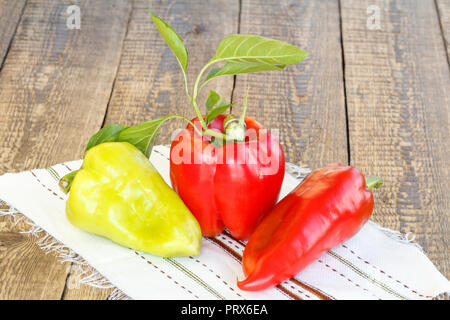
(234, 129)
(373, 182)
(66, 182)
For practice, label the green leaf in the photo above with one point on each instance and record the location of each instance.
(232, 68)
(214, 113)
(172, 39)
(257, 49)
(213, 98)
(215, 106)
(143, 135)
(109, 133)
(245, 53)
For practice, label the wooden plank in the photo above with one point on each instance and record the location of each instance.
(443, 7)
(54, 88)
(10, 13)
(26, 272)
(304, 102)
(398, 97)
(75, 290)
(149, 83)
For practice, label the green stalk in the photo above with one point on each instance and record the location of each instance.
(186, 86)
(242, 118)
(195, 94)
(66, 182)
(189, 121)
(206, 131)
(373, 182)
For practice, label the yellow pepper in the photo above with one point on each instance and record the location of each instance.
(118, 194)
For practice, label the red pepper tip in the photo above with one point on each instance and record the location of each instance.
(243, 285)
(252, 284)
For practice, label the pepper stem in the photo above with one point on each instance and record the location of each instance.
(373, 182)
(233, 129)
(242, 118)
(66, 182)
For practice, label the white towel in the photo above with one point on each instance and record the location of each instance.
(376, 263)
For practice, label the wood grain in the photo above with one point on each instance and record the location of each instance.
(10, 13)
(443, 7)
(26, 271)
(304, 102)
(149, 83)
(54, 88)
(398, 97)
(13, 246)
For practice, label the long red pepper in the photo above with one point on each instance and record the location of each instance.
(328, 207)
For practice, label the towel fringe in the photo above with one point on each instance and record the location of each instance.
(117, 295)
(298, 172)
(404, 238)
(11, 212)
(82, 272)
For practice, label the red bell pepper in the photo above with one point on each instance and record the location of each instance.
(328, 207)
(231, 185)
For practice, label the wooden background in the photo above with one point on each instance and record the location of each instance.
(376, 99)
